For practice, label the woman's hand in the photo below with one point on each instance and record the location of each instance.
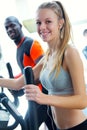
(33, 93)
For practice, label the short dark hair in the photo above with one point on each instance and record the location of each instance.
(12, 18)
(85, 32)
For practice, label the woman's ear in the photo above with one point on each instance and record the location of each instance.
(61, 23)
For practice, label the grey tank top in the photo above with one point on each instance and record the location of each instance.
(60, 85)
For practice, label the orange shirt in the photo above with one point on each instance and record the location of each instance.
(29, 52)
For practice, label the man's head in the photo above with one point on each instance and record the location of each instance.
(13, 27)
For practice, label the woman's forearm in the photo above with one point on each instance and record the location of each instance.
(14, 84)
(69, 102)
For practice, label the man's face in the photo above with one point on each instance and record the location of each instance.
(13, 29)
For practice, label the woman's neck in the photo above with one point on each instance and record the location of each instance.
(54, 46)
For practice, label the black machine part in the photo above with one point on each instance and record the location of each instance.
(13, 111)
(15, 93)
(29, 79)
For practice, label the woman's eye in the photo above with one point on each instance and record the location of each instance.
(48, 21)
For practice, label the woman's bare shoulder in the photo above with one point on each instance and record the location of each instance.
(71, 52)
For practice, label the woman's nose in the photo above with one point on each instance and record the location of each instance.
(42, 26)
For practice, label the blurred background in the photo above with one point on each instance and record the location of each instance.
(25, 10)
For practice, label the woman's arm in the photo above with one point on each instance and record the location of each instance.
(14, 84)
(33, 93)
(78, 100)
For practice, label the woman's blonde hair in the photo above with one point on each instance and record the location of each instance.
(65, 32)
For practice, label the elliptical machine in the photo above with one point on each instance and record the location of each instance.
(7, 108)
(10, 108)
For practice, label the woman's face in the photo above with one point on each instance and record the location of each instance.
(47, 25)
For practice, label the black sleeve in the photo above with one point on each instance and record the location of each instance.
(27, 45)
